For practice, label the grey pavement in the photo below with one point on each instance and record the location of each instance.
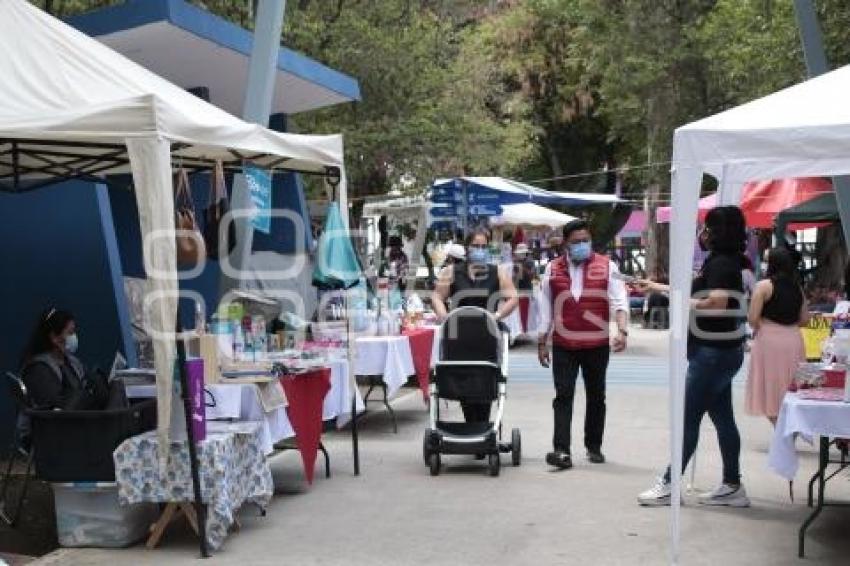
(395, 513)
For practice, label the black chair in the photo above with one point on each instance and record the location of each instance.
(23, 404)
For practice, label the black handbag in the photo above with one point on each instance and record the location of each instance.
(218, 244)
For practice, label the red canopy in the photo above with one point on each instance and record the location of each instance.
(761, 201)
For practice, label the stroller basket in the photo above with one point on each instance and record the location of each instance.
(476, 384)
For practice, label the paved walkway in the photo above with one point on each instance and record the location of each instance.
(396, 514)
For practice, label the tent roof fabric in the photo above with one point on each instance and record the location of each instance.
(796, 132)
(762, 201)
(823, 208)
(530, 215)
(193, 47)
(516, 192)
(63, 89)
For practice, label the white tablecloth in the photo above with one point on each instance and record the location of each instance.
(241, 402)
(808, 419)
(514, 320)
(387, 356)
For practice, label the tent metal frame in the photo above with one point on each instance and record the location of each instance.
(66, 161)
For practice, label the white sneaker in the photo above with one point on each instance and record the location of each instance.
(726, 495)
(658, 495)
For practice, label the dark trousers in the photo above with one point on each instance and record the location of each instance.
(708, 389)
(476, 412)
(593, 363)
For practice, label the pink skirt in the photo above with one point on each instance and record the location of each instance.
(776, 352)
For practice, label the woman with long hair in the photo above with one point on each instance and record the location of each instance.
(777, 309)
(715, 355)
(54, 377)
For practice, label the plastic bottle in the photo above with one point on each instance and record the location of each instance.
(200, 323)
(238, 341)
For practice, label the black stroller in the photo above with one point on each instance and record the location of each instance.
(472, 368)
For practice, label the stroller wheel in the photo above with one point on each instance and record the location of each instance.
(494, 464)
(516, 447)
(434, 464)
(426, 450)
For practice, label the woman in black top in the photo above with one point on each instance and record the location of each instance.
(54, 377)
(777, 310)
(475, 283)
(715, 354)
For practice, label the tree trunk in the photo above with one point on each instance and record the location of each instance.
(657, 236)
(831, 252)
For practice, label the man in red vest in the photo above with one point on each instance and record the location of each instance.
(579, 290)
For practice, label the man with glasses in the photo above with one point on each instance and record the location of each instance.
(579, 290)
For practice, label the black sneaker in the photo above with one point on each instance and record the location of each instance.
(595, 457)
(559, 459)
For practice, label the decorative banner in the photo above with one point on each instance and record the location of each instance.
(260, 189)
(305, 394)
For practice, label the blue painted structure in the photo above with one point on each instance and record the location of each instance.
(59, 250)
(137, 13)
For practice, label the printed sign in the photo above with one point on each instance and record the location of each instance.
(260, 189)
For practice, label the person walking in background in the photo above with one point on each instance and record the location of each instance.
(524, 274)
(777, 310)
(715, 354)
(578, 291)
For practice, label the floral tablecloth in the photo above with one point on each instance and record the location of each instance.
(233, 471)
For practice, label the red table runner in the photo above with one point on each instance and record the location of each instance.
(305, 396)
(421, 344)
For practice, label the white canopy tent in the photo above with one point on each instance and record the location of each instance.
(70, 107)
(528, 214)
(801, 131)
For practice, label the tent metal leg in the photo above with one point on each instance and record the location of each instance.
(389, 408)
(823, 459)
(355, 443)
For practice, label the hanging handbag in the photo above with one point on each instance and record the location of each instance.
(218, 206)
(190, 244)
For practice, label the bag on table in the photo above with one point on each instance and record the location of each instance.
(216, 209)
(190, 243)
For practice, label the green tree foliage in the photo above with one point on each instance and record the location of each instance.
(424, 113)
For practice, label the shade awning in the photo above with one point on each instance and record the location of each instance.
(530, 215)
(762, 201)
(68, 104)
(801, 131)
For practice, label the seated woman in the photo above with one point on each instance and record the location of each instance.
(54, 377)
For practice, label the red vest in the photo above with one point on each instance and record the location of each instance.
(583, 324)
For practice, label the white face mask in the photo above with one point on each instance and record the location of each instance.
(71, 343)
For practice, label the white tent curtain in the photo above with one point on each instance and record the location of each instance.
(150, 161)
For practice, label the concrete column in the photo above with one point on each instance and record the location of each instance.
(817, 64)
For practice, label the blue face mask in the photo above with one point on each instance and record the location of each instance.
(478, 256)
(580, 251)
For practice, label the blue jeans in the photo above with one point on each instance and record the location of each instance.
(709, 390)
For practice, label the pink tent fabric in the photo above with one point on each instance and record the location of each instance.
(635, 225)
(761, 201)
